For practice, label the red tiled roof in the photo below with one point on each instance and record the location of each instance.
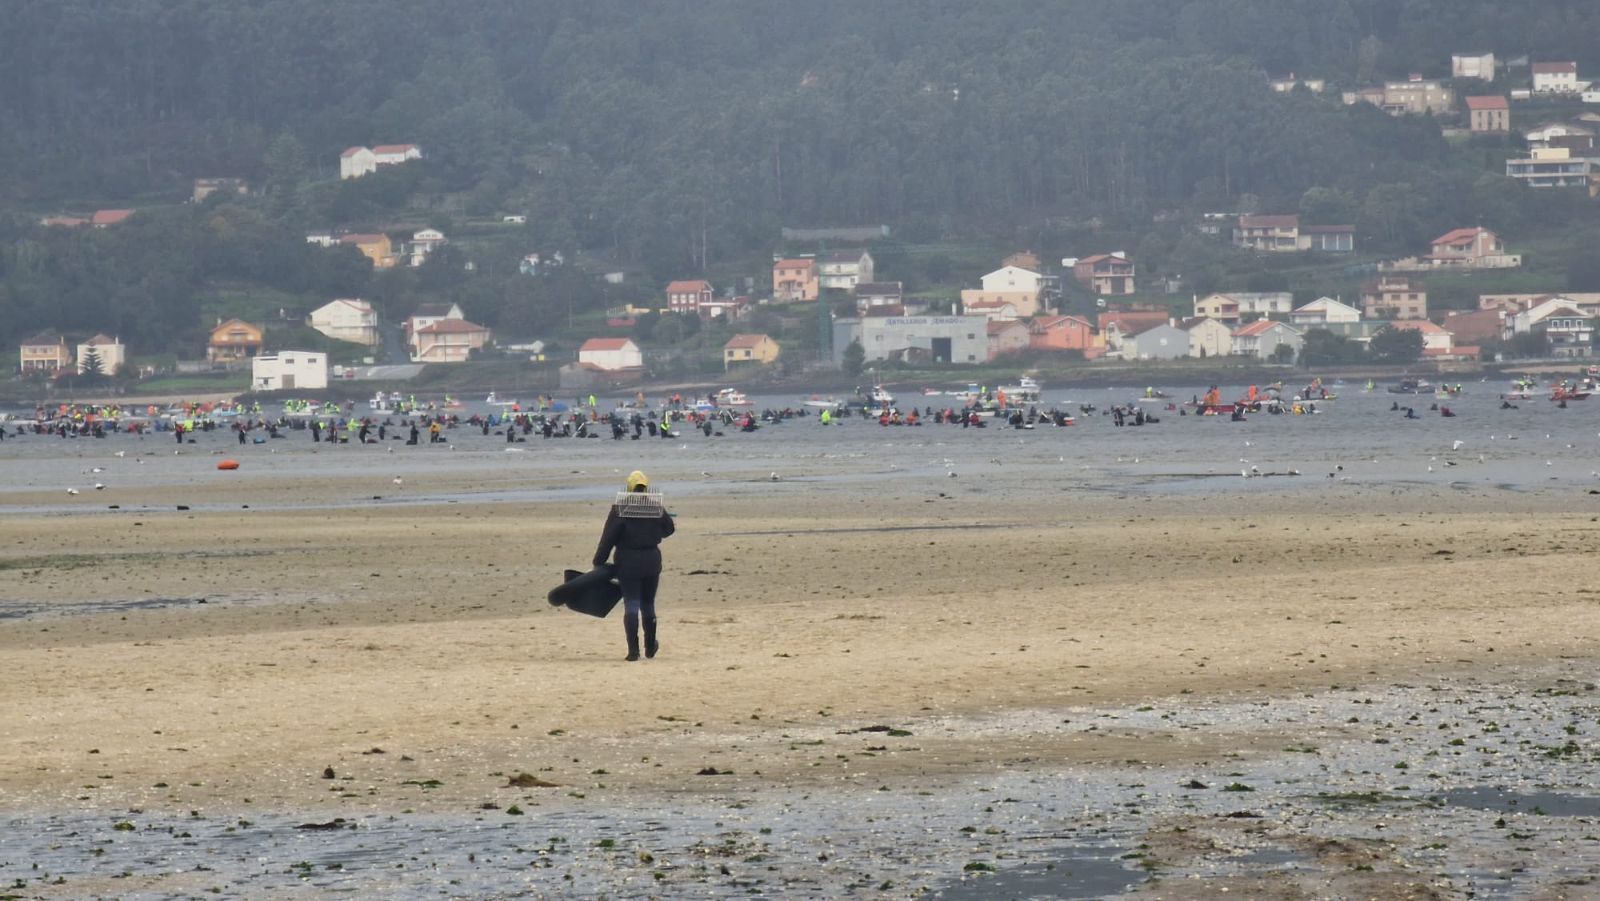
(789, 263)
(688, 287)
(1487, 103)
(450, 326)
(740, 341)
(110, 217)
(393, 148)
(1458, 235)
(594, 344)
(352, 151)
(1000, 325)
(1258, 327)
(1555, 68)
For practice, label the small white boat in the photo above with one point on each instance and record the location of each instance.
(494, 400)
(733, 397)
(822, 403)
(879, 397)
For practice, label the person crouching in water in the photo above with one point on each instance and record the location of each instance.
(636, 537)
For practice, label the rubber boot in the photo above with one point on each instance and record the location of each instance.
(650, 644)
(630, 623)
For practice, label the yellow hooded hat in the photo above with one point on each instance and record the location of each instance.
(637, 481)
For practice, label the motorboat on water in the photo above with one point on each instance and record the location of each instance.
(733, 397)
(878, 397)
(1025, 391)
(494, 400)
(1412, 386)
(822, 403)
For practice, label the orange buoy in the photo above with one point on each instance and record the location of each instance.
(228, 464)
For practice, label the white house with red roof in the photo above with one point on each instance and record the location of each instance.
(1322, 311)
(447, 341)
(355, 162)
(346, 319)
(1472, 248)
(1260, 339)
(395, 154)
(610, 354)
(429, 313)
(686, 296)
(1489, 115)
(1105, 273)
(1557, 78)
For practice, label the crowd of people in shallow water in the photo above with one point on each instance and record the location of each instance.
(415, 423)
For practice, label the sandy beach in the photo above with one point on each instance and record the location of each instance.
(341, 646)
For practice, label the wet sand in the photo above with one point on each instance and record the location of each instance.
(339, 646)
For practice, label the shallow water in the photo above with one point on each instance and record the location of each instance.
(1356, 441)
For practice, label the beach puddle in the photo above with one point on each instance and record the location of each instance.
(1074, 872)
(36, 610)
(1539, 803)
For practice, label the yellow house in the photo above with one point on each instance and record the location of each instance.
(376, 247)
(748, 349)
(234, 340)
(45, 352)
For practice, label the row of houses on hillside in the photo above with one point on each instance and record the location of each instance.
(51, 353)
(1285, 234)
(355, 162)
(622, 356)
(804, 278)
(383, 251)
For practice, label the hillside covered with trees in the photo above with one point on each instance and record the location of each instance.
(680, 134)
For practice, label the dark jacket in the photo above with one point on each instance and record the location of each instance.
(637, 542)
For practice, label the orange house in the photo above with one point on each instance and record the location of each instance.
(1066, 333)
(234, 340)
(376, 248)
(794, 279)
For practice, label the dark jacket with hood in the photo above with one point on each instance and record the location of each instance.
(637, 543)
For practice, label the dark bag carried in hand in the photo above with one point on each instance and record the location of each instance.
(593, 593)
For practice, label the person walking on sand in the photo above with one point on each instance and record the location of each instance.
(635, 532)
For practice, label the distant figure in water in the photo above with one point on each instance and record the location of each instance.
(1394, 406)
(1446, 411)
(1411, 413)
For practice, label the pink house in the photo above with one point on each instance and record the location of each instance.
(1065, 333)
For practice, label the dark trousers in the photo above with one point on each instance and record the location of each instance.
(639, 596)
